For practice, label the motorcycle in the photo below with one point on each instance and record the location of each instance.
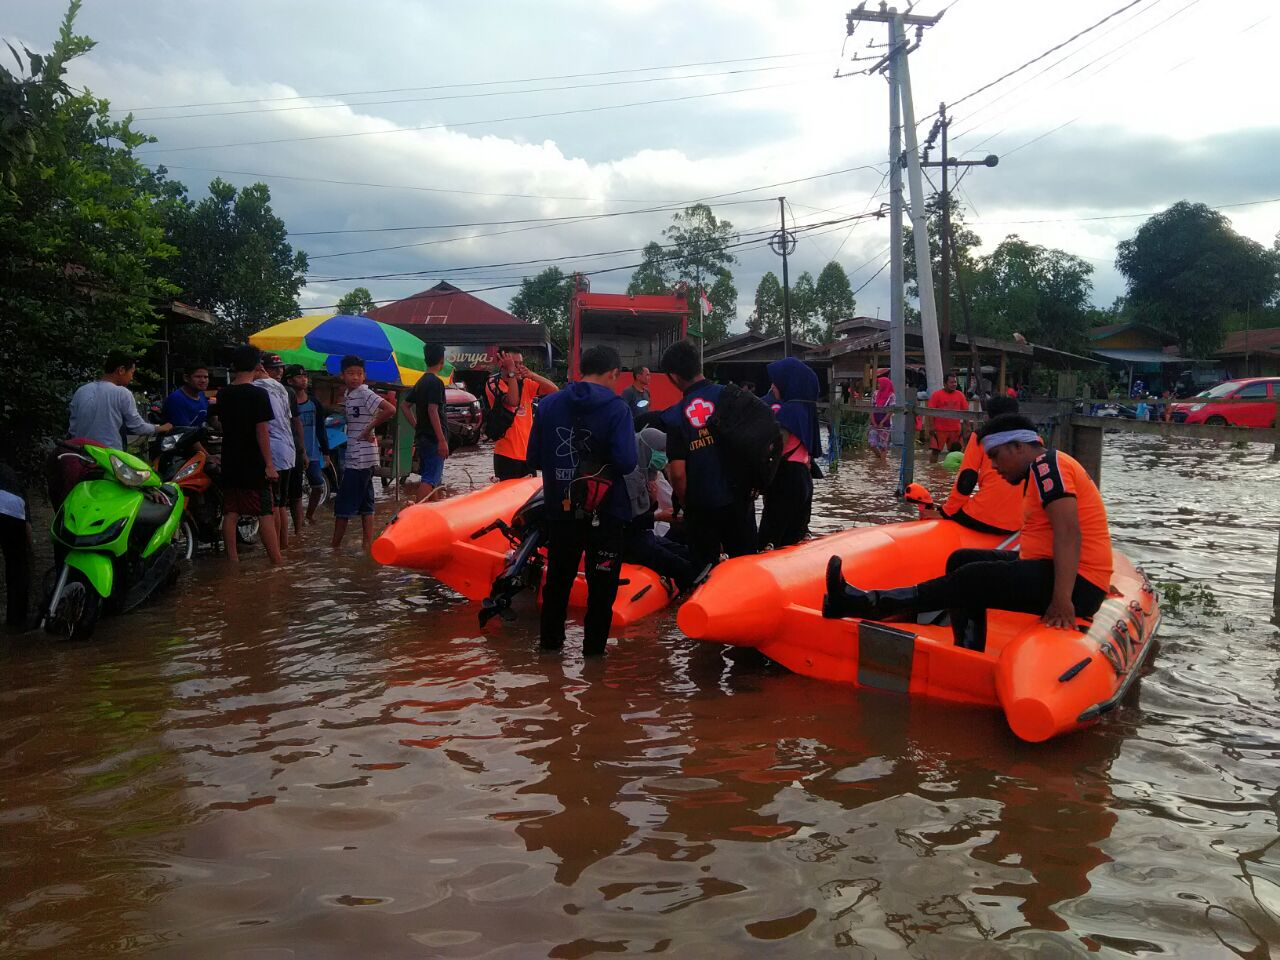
(527, 532)
(113, 540)
(177, 460)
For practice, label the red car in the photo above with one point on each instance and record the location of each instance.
(1209, 406)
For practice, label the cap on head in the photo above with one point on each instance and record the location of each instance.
(272, 360)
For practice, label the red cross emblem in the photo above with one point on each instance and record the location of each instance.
(699, 411)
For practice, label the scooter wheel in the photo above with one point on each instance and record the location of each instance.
(78, 610)
(186, 539)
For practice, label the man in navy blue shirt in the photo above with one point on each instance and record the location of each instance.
(720, 514)
(188, 406)
(583, 442)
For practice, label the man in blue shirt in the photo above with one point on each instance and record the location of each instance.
(720, 515)
(188, 406)
(582, 440)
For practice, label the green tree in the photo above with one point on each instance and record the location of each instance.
(80, 233)
(833, 297)
(724, 307)
(545, 299)
(653, 276)
(965, 242)
(1036, 291)
(805, 324)
(767, 318)
(234, 259)
(1186, 268)
(356, 303)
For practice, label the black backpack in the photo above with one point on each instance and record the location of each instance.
(748, 436)
(498, 417)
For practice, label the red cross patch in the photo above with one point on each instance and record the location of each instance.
(699, 412)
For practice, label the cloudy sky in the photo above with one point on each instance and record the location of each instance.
(377, 114)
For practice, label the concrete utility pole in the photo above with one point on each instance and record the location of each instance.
(895, 63)
(941, 126)
(783, 243)
(919, 225)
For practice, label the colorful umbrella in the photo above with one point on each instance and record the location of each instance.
(390, 355)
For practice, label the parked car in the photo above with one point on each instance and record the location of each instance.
(1225, 404)
(462, 410)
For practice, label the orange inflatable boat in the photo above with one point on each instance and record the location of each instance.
(1047, 681)
(440, 539)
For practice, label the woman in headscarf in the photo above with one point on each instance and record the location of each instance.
(789, 499)
(878, 435)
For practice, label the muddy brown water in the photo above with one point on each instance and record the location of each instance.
(329, 760)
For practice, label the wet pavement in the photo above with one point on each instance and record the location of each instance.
(329, 760)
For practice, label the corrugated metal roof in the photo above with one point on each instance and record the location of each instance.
(442, 304)
(1140, 356)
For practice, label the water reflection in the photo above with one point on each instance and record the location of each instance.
(329, 760)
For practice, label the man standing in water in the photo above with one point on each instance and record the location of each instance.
(583, 442)
(1062, 571)
(423, 407)
(247, 468)
(283, 430)
(944, 431)
(313, 447)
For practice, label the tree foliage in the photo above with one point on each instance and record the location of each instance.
(965, 242)
(356, 303)
(1036, 291)
(697, 251)
(805, 324)
(234, 259)
(1187, 268)
(81, 233)
(766, 319)
(545, 299)
(833, 299)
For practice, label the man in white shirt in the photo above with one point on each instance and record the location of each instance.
(284, 411)
(104, 410)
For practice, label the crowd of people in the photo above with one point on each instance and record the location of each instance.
(672, 490)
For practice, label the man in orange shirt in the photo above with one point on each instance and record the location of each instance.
(515, 386)
(980, 498)
(944, 431)
(1062, 570)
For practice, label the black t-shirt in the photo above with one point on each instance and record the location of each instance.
(241, 407)
(426, 393)
(708, 482)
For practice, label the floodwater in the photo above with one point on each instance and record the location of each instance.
(328, 760)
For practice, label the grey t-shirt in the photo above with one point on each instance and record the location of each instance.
(103, 412)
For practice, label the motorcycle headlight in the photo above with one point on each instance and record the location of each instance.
(1197, 407)
(187, 470)
(127, 475)
(168, 443)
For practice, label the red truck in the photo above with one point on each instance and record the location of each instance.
(640, 328)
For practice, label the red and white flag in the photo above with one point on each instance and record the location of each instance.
(706, 304)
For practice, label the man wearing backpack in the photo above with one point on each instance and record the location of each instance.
(509, 397)
(583, 442)
(719, 508)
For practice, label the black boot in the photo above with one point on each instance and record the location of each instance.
(842, 600)
(970, 629)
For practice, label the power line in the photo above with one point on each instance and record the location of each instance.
(474, 83)
(1051, 50)
(884, 266)
(473, 123)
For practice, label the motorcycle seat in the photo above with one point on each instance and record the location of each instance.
(153, 514)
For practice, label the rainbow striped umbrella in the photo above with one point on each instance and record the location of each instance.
(319, 342)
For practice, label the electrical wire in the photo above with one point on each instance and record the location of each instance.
(468, 96)
(474, 83)
(473, 123)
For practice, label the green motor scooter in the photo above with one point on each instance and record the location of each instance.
(113, 542)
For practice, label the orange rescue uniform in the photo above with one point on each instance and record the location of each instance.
(515, 442)
(1055, 475)
(945, 430)
(995, 502)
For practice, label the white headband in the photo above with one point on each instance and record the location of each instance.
(991, 441)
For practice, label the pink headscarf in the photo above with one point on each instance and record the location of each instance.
(884, 391)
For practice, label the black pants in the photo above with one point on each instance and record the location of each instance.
(664, 557)
(567, 539)
(788, 502)
(712, 531)
(507, 468)
(979, 580)
(965, 520)
(17, 569)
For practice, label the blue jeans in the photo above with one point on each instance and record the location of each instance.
(430, 464)
(355, 494)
